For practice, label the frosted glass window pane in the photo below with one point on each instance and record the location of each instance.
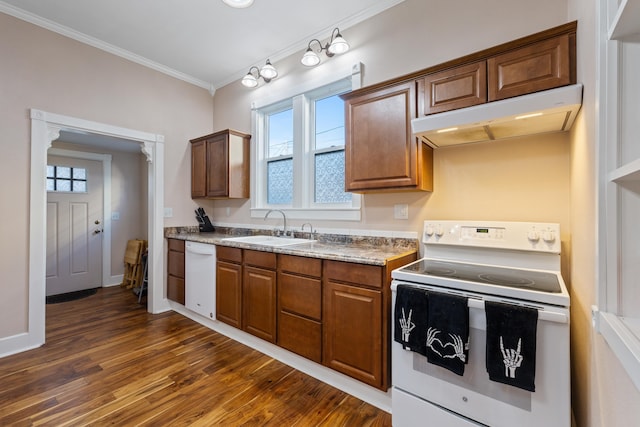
(50, 171)
(80, 186)
(330, 178)
(63, 172)
(63, 185)
(329, 122)
(280, 127)
(79, 173)
(50, 185)
(280, 182)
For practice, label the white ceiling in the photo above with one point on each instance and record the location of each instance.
(204, 42)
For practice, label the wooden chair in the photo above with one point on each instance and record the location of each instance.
(133, 263)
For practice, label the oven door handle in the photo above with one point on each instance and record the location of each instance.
(542, 314)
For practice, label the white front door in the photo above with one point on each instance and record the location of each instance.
(74, 225)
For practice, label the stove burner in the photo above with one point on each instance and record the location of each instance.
(505, 280)
(440, 271)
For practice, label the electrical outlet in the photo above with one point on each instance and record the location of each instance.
(401, 211)
(168, 212)
(115, 216)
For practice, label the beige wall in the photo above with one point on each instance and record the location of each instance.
(43, 70)
(408, 37)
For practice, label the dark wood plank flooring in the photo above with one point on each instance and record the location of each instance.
(109, 362)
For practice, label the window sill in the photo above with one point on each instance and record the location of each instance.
(331, 214)
(622, 336)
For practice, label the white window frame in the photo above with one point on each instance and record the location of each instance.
(615, 24)
(301, 99)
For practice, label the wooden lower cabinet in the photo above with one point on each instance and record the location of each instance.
(300, 306)
(335, 313)
(175, 270)
(259, 294)
(229, 286)
(353, 322)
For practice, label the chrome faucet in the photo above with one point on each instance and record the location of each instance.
(284, 219)
(311, 232)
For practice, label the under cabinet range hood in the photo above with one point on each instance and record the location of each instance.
(552, 110)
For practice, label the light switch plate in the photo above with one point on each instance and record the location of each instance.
(168, 212)
(401, 211)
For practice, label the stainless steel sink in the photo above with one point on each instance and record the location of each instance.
(268, 240)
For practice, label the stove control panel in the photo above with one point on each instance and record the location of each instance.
(528, 236)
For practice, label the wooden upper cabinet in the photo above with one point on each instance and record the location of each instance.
(220, 165)
(198, 169)
(539, 66)
(380, 150)
(454, 88)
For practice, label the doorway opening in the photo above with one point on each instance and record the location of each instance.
(45, 128)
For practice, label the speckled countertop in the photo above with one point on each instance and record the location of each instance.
(358, 249)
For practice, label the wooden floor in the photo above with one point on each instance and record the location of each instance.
(109, 362)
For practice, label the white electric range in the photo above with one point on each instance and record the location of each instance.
(511, 262)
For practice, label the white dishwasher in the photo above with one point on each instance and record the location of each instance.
(200, 278)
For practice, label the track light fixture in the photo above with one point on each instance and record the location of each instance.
(335, 46)
(268, 72)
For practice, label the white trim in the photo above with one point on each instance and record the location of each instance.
(346, 214)
(292, 97)
(607, 315)
(623, 342)
(267, 95)
(44, 127)
(114, 280)
(99, 44)
(373, 396)
(106, 202)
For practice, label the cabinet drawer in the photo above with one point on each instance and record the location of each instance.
(176, 245)
(540, 66)
(347, 272)
(459, 87)
(260, 259)
(300, 335)
(300, 265)
(176, 263)
(229, 254)
(300, 295)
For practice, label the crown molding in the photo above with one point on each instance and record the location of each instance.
(99, 44)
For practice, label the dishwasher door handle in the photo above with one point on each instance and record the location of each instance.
(201, 249)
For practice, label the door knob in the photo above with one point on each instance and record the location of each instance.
(98, 231)
(96, 222)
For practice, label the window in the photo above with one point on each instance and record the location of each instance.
(618, 316)
(66, 179)
(300, 156)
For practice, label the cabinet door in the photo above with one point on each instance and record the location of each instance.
(218, 166)
(352, 321)
(198, 169)
(458, 87)
(175, 271)
(540, 66)
(380, 150)
(229, 293)
(259, 302)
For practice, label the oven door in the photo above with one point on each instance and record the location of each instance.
(423, 389)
